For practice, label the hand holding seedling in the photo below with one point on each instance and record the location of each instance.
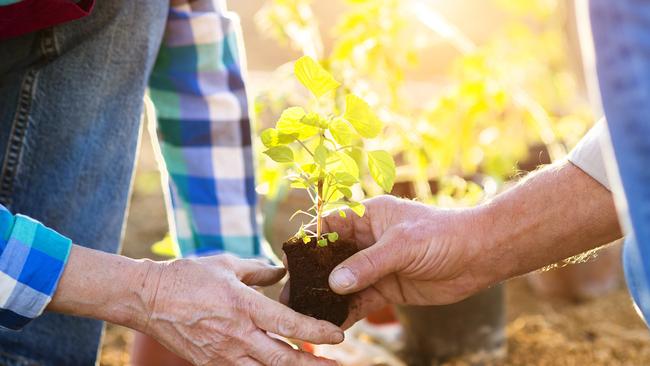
(411, 253)
(205, 308)
(202, 309)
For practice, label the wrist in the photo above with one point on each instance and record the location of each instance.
(108, 287)
(489, 262)
(138, 295)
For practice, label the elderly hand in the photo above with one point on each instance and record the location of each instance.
(204, 310)
(410, 253)
(416, 254)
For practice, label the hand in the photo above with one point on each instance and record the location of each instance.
(205, 311)
(410, 253)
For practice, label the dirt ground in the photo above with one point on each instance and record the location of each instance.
(605, 331)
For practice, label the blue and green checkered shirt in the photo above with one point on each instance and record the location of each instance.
(205, 136)
(203, 123)
(32, 258)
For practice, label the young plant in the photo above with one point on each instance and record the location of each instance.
(333, 150)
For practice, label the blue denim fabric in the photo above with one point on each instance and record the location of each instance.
(621, 31)
(70, 104)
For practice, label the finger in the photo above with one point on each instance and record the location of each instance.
(279, 319)
(270, 351)
(364, 303)
(256, 272)
(247, 361)
(284, 294)
(367, 266)
(363, 230)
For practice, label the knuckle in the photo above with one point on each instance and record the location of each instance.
(279, 358)
(367, 261)
(286, 326)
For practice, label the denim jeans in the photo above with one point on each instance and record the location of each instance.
(621, 31)
(70, 104)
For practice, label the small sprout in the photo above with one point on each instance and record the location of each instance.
(333, 150)
(301, 233)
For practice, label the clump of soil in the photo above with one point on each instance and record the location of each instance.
(309, 268)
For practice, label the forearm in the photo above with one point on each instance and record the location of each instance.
(551, 215)
(106, 286)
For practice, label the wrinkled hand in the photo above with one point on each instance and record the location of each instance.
(205, 311)
(410, 253)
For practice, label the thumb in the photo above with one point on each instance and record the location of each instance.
(365, 267)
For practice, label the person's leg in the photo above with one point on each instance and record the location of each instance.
(622, 43)
(69, 122)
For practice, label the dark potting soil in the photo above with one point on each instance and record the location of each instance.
(309, 270)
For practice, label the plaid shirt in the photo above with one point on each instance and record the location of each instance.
(204, 128)
(205, 137)
(32, 258)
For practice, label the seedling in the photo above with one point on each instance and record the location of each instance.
(333, 146)
(324, 153)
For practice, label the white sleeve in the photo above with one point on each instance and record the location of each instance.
(588, 154)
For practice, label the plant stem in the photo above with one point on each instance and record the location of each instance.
(319, 209)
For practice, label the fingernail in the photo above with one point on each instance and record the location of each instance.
(343, 278)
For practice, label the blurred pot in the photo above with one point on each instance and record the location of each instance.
(473, 329)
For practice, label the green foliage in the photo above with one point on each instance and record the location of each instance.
(327, 171)
(495, 101)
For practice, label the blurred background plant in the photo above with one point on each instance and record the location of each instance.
(457, 134)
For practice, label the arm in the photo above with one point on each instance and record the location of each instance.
(416, 254)
(551, 215)
(203, 310)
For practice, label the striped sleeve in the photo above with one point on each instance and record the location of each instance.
(204, 131)
(32, 259)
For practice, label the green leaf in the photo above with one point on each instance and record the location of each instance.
(164, 247)
(320, 155)
(290, 124)
(345, 179)
(280, 154)
(309, 168)
(272, 137)
(306, 239)
(345, 191)
(322, 243)
(357, 208)
(333, 237)
(313, 76)
(341, 131)
(348, 164)
(342, 214)
(382, 169)
(313, 119)
(362, 118)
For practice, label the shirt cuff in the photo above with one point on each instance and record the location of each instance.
(32, 259)
(588, 154)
